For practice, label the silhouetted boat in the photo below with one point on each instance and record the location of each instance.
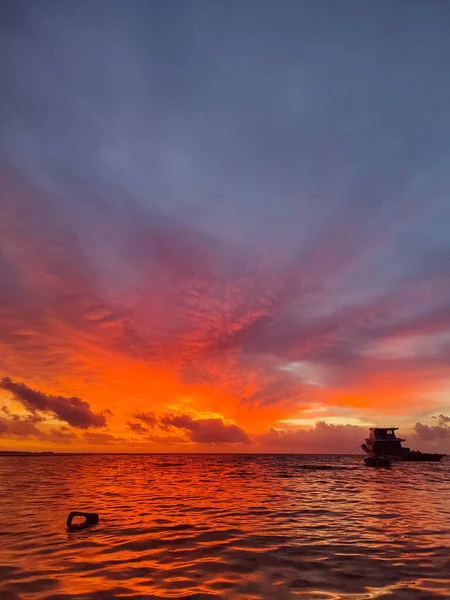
(378, 461)
(383, 442)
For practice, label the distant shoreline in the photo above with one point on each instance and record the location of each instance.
(24, 453)
(49, 453)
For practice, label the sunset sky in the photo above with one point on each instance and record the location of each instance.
(224, 226)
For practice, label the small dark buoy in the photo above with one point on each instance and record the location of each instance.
(90, 519)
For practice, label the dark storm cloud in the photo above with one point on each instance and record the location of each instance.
(223, 189)
(73, 411)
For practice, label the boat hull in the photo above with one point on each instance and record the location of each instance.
(377, 461)
(408, 456)
(422, 457)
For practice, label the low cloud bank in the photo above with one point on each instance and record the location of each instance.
(430, 433)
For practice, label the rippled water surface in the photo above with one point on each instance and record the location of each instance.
(224, 526)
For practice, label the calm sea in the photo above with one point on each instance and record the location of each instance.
(224, 526)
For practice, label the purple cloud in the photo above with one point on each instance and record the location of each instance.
(207, 431)
(73, 411)
(430, 433)
(148, 418)
(137, 428)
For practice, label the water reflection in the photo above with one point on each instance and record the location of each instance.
(223, 526)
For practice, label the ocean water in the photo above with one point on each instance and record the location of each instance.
(224, 526)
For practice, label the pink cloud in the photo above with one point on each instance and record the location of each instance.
(430, 433)
(320, 438)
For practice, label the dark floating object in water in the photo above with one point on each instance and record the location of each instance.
(378, 461)
(91, 519)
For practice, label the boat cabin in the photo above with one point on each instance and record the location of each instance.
(382, 440)
(383, 434)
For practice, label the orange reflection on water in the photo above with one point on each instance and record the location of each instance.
(223, 526)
